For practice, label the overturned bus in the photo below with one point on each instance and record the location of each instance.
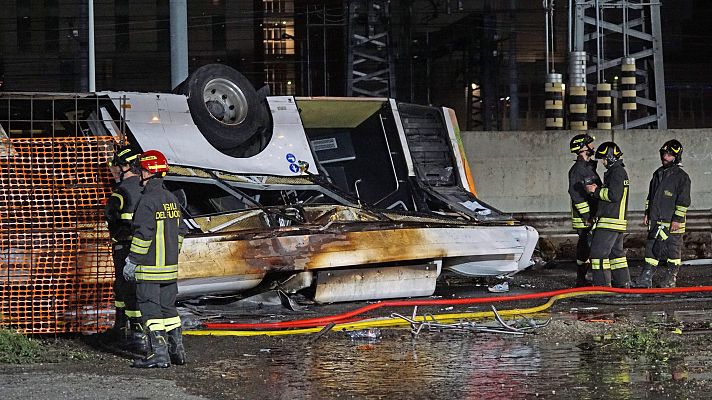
(354, 198)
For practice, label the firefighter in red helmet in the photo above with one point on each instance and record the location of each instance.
(158, 231)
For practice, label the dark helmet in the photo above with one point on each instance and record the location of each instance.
(580, 141)
(673, 147)
(125, 155)
(609, 151)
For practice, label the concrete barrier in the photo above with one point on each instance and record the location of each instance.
(528, 171)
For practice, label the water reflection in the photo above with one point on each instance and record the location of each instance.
(453, 366)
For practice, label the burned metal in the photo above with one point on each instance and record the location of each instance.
(429, 322)
(385, 282)
(338, 245)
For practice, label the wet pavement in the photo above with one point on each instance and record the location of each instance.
(579, 355)
(456, 366)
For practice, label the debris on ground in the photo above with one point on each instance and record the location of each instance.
(502, 287)
(430, 323)
(369, 335)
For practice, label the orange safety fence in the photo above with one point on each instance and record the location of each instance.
(56, 271)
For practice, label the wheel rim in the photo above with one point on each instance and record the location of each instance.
(225, 101)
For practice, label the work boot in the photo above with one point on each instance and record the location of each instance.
(175, 346)
(581, 272)
(621, 278)
(137, 339)
(158, 355)
(117, 333)
(120, 321)
(602, 277)
(669, 279)
(645, 279)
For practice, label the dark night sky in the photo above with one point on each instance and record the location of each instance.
(687, 37)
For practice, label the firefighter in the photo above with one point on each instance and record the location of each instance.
(608, 260)
(158, 231)
(665, 215)
(119, 212)
(583, 206)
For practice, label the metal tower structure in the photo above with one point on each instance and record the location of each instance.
(484, 70)
(370, 69)
(613, 32)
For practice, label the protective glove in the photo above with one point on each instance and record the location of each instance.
(129, 270)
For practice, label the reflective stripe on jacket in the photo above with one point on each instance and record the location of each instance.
(158, 231)
(120, 208)
(613, 196)
(668, 198)
(583, 206)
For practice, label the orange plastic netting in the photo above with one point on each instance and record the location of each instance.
(56, 272)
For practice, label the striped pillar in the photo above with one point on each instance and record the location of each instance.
(554, 102)
(577, 108)
(628, 91)
(604, 111)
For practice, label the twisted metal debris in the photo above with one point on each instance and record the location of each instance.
(431, 324)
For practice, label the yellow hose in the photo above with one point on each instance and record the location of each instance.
(389, 322)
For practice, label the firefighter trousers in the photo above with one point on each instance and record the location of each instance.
(157, 302)
(124, 291)
(608, 260)
(667, 251)
(583, 246)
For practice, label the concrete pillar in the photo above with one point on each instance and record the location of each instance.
(179, 41)
(92, 54)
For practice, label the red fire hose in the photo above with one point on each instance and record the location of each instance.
(352, 315)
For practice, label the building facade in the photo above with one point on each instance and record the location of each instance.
(440, 50)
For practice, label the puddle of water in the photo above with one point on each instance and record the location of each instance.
(458, 366)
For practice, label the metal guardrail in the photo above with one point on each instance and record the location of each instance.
(557, 240)
(551, 224)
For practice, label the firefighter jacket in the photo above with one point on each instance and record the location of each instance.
(158, 231)
(613, 199)
(120, 207)
(583, 206)
(668, 198)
